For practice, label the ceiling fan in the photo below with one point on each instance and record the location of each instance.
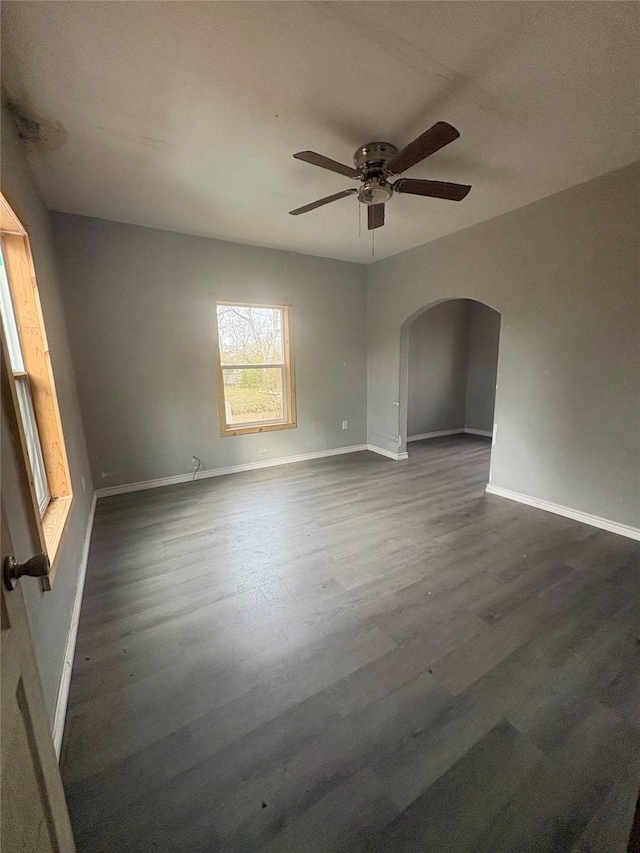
(376, 162)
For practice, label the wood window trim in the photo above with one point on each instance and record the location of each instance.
(289, 373)
(52, 525)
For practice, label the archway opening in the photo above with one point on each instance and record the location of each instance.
(449, 369)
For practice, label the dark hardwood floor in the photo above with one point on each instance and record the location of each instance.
(354, 654)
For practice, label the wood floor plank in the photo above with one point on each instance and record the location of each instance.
(432, 751)
(155, 706)
(555, 806)
(378, 652)
(458, 808)
(479, 654)
(348, 818)
(608, 829)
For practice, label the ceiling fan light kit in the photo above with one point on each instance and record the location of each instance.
(376, 162)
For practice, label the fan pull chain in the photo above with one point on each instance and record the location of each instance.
(373, 242)
(359, 220)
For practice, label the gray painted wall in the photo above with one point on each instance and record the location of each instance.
(49, 612)
(438, 348)
(144, 307)
(482, 366)
(453, 363)
(563, 272)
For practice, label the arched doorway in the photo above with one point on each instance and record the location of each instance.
(448, 371)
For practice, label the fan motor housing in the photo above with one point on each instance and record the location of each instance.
(371, 158)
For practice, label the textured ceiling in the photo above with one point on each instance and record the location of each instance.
(185, 115)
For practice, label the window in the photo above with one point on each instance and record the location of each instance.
(36, 423)
(23, 393)
(255, 373)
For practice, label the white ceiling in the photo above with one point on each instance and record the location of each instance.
(184, 115)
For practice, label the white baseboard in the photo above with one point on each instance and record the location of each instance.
(437, 434)
(441, 432)
(567, 512)
(70, 648)
(220, 472)
(388, 453)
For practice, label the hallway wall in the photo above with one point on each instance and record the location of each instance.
(438, 348)
(482, 366)
(453, 363)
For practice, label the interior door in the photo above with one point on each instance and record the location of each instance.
(33, 808)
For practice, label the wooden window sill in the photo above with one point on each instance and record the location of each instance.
(240, 430)
(54, 524)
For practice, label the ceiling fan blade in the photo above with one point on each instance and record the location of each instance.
(435, 189)
(326, 163)
(375, 216)
(321, 201)
(429, 142)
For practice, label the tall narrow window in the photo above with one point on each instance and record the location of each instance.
(23, 393)
(30, 385)
(255, 373)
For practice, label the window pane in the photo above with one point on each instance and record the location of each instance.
(33, 442)
(250, 335)
(253, 395)
(9, 321)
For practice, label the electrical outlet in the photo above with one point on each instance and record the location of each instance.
(345, 424)
(194, 464)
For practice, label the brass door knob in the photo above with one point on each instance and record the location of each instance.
(36, 567)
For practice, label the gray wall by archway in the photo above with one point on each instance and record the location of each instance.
(563, 272)
(452, 368)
